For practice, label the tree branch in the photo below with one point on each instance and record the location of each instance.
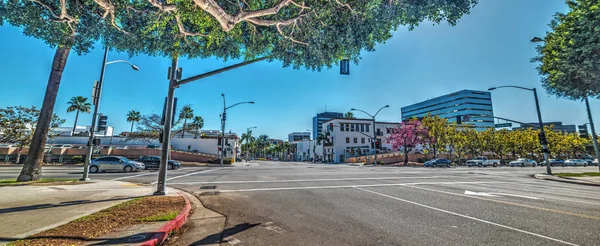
(184, 31)
(163, 7)
(109, 10)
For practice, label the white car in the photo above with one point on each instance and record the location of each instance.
(576, 162)
(522, 162)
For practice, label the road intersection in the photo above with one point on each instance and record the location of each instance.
(284, 203)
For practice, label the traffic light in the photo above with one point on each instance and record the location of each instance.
(331, 126)
(162, 120)
(542, 138)
(102, 120)
(458, 120)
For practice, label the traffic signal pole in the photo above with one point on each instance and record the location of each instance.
(166, 136)
(90, 144)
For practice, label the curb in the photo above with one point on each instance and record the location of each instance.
(564, 180)
(161, 235)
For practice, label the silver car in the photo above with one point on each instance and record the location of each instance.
(521, 162)
(115, 163)
(576, 162)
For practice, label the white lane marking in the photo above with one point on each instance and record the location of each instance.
(139, 175)
(346, 186)
(189, 174)
(305, 180)
(496, 194)
(468, 217)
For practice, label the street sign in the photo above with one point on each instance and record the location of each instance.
(345, 67)
(95, 93)
(504, 125)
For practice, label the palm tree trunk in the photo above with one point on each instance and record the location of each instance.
(75, 125)
(32, 169)
(183, 132)
(130, 131)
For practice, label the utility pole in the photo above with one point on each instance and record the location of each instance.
(594, 136)
(166, 136)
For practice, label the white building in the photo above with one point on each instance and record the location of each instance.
(80, 131)
(306, 150)
(353, 137)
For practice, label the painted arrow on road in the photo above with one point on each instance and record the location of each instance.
(495, 194)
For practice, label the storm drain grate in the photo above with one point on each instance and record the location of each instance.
(209, 193)
(208, 187)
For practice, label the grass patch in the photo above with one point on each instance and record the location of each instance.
(161, 217)
(85, 229)
(13, 182)
(590, 174)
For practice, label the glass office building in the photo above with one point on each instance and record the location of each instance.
(322, 117)
(472, 108)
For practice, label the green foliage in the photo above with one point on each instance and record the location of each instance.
(17, 124)
(134, 116)
(570, 56)
(79, 104)
(349, 115)
(436, 127)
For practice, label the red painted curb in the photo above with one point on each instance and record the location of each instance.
(161, 235)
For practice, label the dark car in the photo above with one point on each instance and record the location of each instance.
(154, 162)
(439, 162)
(554, 162)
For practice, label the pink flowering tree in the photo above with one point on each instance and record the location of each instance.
(408, 136)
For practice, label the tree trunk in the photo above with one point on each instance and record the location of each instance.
(130, 131)
(32, 169)
(183, 132)
(405, 156)
(75, 125)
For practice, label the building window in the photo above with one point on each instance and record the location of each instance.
(362, 140)
(387, 130)
(351, 127)
(355, 140)
(347, 127)
(367, 126)
(347, 140)
(342, 127)
(362, 128)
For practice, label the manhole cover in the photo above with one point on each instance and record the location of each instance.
(208, 187)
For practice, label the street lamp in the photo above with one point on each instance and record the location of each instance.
(543, 140)
(223, 119)
(589, 112)
(248, 141)
(90, 145)
(374, 132)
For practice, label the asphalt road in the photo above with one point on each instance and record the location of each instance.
(271, 203)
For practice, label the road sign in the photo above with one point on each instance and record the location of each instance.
(504, 125)
(95, 93)
(345, 67)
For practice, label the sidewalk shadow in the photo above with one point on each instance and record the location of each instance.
(217, 238)
(136, 238)
(62, 204)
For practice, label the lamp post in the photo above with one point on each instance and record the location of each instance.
(248, 142)
(90, 145)
(543, 140)
(374, 140)
(223, 119)
(589, 112)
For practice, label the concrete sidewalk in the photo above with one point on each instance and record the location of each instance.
(27, 210)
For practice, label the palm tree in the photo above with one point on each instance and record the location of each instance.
(133, 117)
(186, 113)
(263, 143)
(349, 115)
(78, 104)
(197, 124)
(323, 138)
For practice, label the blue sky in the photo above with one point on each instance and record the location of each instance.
(489, 47)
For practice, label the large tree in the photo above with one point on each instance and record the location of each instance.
(17, 125)
(78, 104)
(570, 56)
(407, 136)
(311, 34)
(186, 113)
(197, 124)
(436, 126)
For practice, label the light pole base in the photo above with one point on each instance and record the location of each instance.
(159, 193)
(84, 179)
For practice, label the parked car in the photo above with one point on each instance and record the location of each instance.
(438, 162)
(589, 159)
(522, 162)
(482, 161)
(115, 163)
(154, 162)
(595, 162)
(554, 162)
(122, 147)
(151, 146)
(576, 162)
(62, 146)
